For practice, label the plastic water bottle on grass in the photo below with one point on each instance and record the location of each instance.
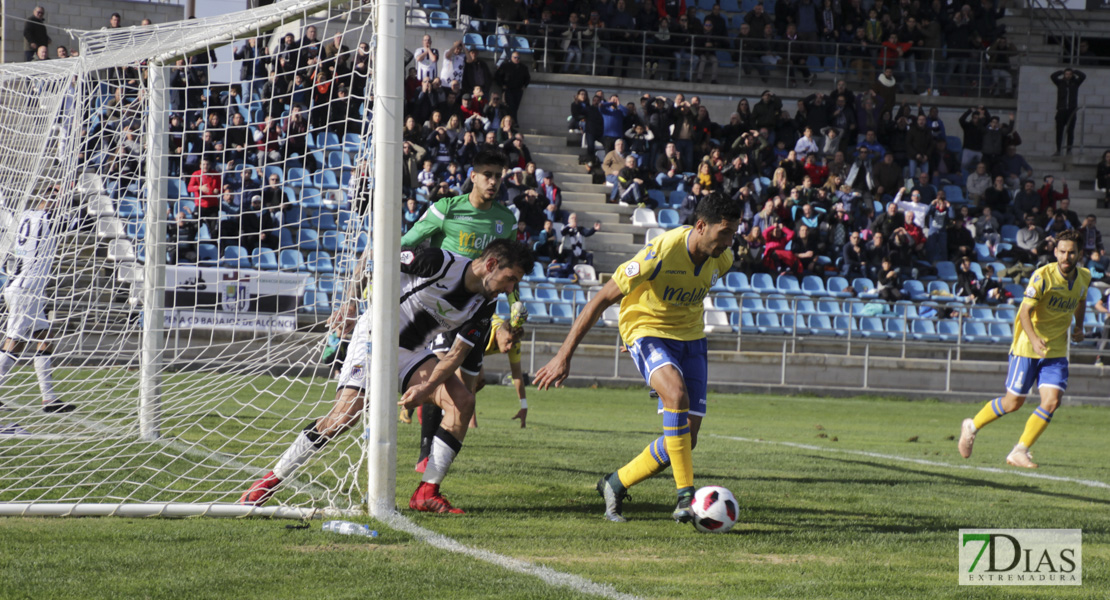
(349, 528)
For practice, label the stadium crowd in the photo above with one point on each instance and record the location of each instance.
(848, 185)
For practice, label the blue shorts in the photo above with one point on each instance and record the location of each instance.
(690, 358)
(1047, 372)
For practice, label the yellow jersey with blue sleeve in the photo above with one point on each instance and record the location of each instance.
(663, 289)
(1053, 299)
(497, 322)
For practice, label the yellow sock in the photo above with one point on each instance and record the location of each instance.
(676, 436)
(1035, 426)
(991, 411)
(651, 461)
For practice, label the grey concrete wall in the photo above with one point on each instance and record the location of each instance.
(77, 14)
(1037, 111)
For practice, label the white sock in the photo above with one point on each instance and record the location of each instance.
(444, 450)
(7, 361)
(302, 449)
(45, 375)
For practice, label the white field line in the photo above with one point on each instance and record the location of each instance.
(547, 575)
(400, 522)
(931, 463)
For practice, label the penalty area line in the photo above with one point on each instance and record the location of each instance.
(931, 463)
(545, 574)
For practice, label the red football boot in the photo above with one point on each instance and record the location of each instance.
(427, 498)
(261, 490)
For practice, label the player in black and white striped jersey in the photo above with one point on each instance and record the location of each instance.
(441, 292)
(29, 268)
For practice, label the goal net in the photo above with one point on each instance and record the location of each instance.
(181, 207)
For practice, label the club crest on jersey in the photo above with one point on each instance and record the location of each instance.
(500, 226)
(1030, 292)
(633, 269)
(407, 257)
(357, 373)
(716, 276)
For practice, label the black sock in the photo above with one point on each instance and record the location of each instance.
(431, 417)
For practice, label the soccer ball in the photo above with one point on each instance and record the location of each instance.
(715, 509)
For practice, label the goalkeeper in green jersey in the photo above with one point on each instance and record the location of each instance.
(464, 225)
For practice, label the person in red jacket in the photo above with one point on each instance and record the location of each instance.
(891, 51)
(205, 185)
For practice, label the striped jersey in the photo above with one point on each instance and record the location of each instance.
(32, 256)
(434, 299)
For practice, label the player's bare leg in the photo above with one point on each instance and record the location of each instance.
(343, 415)
(999, 406)
(457, 403)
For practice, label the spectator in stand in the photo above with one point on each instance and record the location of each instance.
(1013, 167)
(410, 215)
(1067, 84)
(669, 168)
(928, 191)
(595, 54)
(884, 87)
(707, 44)
(1091, 237)
(612, 116)
(994, 138)
(853, 261)
(1050, 197)
(777, 258)
(937, 220)
(1027, 201)
(629, 185)
(961, 243)
(888, 178)
(573, 246)
(452, 65)
(1065, 212)
(920, 144)
(998, 199)
(547, 243)
(622, 35)
(765, 113)
(977, 184)
(973, 124)
(205, 185)
(426, 59)
(613, 163)
(573, 45)
(806, 145)
(476, 72)
(257, 227)
(1102, 179)
(35, 35)
(1032, 242)
(513, 76)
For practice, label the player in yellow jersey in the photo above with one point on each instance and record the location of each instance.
(661, 291)
(1056, 293)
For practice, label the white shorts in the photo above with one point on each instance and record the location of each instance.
(356, 367)
(26, 314)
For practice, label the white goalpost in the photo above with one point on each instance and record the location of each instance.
(203, 219)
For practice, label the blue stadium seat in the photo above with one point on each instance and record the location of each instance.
(562, 313)
(955, 194)
(896, 329)
(788, 284)
(821, 325)
(806, 307)
(319, 262)
(291, 260)
(668, 218)
(331, 241)
(658, 196)
(829, 307)
(769, 323)
(725, 302)
(955, 144)
(905, 308)
(326, 284)
(474, 41)
(236, 257)
(537, 312)
(285, 239)
(752, 303)
(1009, 233)
(864, 287)
(208, 255)
(130, 208)
(925, 330)
(946, 271)
(352, 143)
(537, 273)
(325, 221)
(311, 198)
(439, 20)
(837, 287)
(298, 178)
(1001, 333)
(914, 290)
(1005, 314)
(520, 45)
(872, 327)
(813, 287)
(737, 282)
(779, 304)
(762, 283)
(983, 252)
(264, 259)
(948, 330)
(975, 332)
(795, 324)
(1093, 296)
(745, 322)
(309, 240)
(845, 325)
(315, 301)
(503, 307)
(939, 291)
(326, 180)
(546, 292)
(675, 198)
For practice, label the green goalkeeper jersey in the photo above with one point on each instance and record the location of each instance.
(453, 224)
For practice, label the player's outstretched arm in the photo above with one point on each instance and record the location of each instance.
(422, 392)
(557, 369)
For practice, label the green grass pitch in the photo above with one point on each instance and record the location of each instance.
(814, 523)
